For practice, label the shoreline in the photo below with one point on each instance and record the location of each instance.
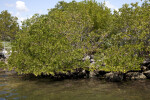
(80, 73)
(102, 75)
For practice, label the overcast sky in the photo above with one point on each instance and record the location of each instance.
(26, 8)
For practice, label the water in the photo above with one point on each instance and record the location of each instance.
(13, 87)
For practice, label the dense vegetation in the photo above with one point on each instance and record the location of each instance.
(8, 26)
(58, 41)
(8, 29)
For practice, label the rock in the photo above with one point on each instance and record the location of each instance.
(135, 76)
(148, 66)
(147, 74)
(92, 74)
(102, 73)
(146, 62)
(87, 74)
(114, 76)
(83, 71)
(144, 68)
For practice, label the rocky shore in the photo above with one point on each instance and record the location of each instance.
(144, 73)
(79, 73)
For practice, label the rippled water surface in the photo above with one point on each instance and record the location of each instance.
(13, 87)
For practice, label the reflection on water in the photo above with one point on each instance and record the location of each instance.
(13, 87)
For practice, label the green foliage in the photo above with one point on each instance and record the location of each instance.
(1, 46)
(8, 29)
(58, 41)
(121, 58)
(128, 43)
(8, 26)
(2, 64)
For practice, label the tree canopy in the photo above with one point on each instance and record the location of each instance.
(8, 26)
(58, 41)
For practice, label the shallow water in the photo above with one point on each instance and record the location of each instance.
(13, 87)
